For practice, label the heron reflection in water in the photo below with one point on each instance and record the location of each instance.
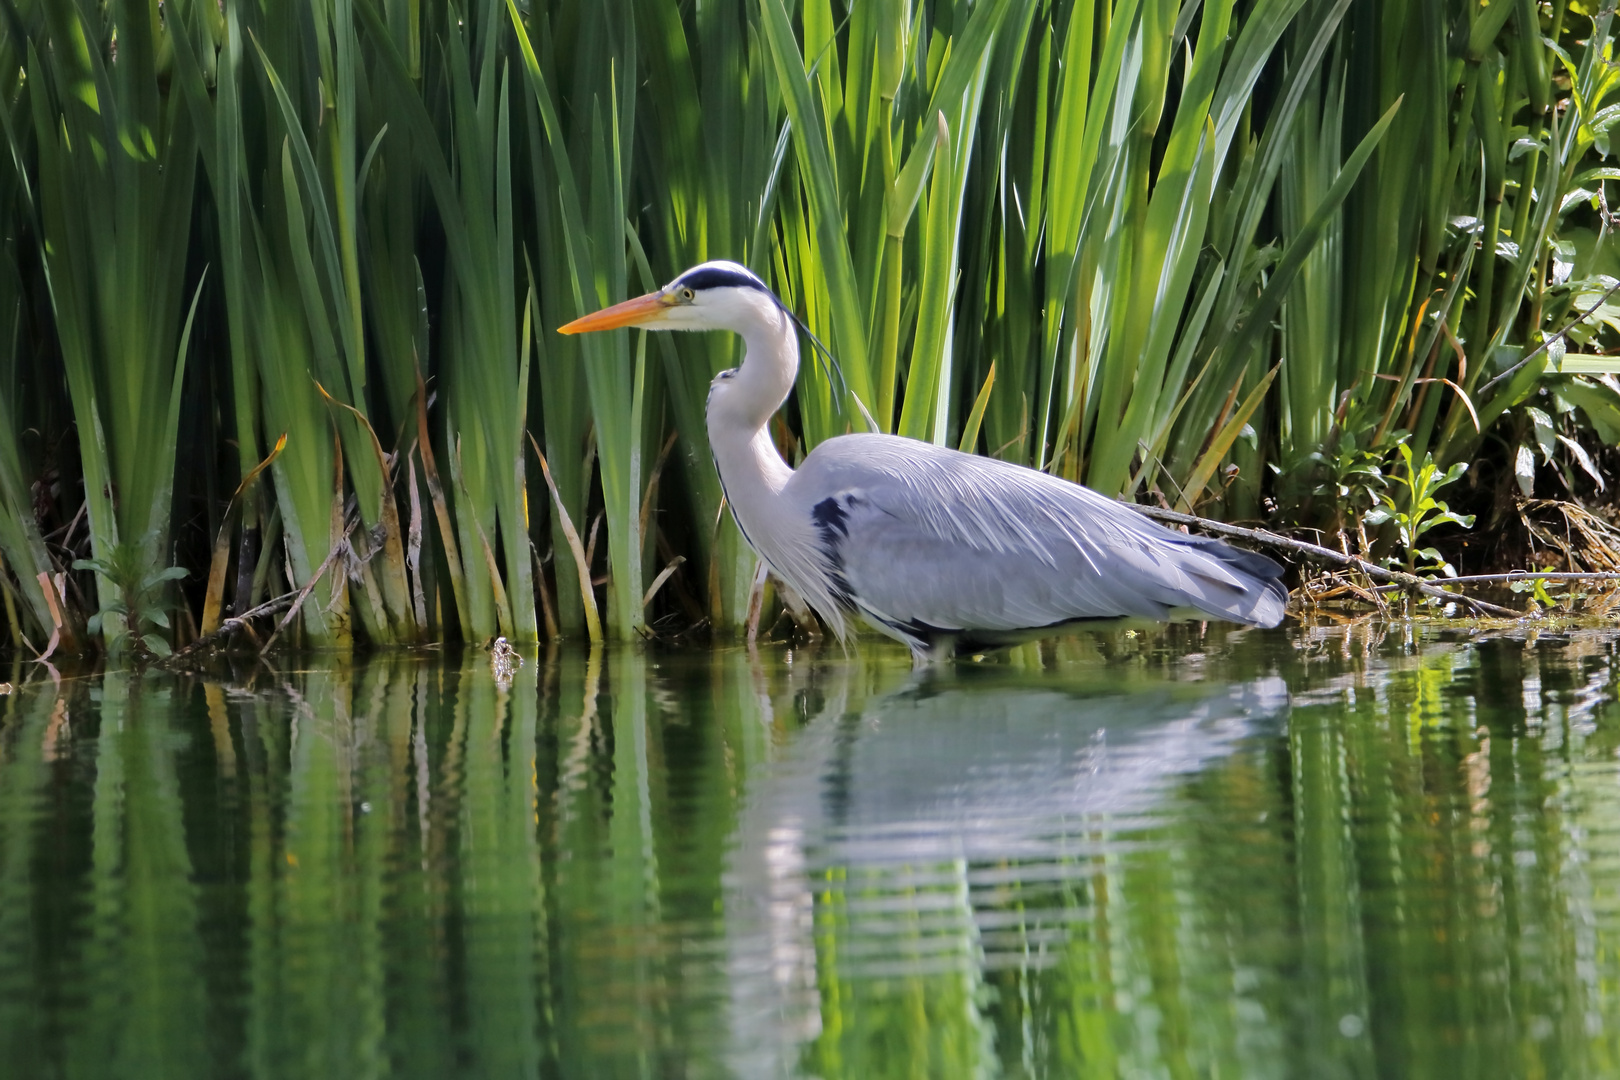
(948, 829)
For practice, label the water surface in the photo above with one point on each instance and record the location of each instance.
(1343, 851)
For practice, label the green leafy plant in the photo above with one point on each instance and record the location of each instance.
(134, 609)
(1414, 510)
(1537, 588)
(1346, 476)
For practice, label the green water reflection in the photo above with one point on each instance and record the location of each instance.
(1331, 852)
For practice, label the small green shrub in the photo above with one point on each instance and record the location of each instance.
(137, 612)
(1414, 510)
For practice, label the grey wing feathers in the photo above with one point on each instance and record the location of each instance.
(956, 542)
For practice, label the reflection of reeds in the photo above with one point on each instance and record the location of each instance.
(356, 224)
(680, 866)
(31, 725)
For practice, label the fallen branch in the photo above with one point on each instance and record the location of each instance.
(1524, 575)
(1409, 582)
(232, 625)
(309, 586)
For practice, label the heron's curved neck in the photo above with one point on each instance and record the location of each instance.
(741, 409)
(770, 364)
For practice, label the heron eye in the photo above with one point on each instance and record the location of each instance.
(687, 296)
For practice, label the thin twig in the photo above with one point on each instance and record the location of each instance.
(1323, 554)
(1558, 335)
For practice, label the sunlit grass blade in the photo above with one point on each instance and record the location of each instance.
(846, 316)
(1221, 442)
(970, 429)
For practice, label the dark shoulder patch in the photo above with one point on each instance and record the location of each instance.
(719, 277)
(830, 518)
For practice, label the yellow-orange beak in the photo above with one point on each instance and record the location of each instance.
(629, 313)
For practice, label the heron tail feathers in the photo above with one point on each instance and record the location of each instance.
(1241, 585)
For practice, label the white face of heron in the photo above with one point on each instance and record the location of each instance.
(716, 296)
(715, 308)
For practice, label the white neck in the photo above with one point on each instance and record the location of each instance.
(751, 471)
(740, 410)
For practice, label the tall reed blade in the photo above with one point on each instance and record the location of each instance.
(117, 167)
(593, 239)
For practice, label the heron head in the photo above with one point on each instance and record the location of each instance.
(717, 295)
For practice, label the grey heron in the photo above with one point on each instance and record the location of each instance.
(945, 551)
